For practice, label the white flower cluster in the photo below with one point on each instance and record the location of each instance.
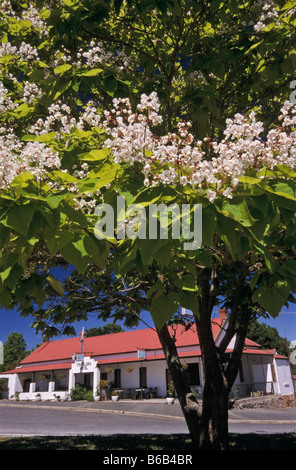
(6, 48)
(268, 12)
(97, 54)
(180, 158)
(31, 92)
(61, 120)
(131, 134)
(6, 103)
(6, 8)
(25, 52)
(32, 15)
(17, 157)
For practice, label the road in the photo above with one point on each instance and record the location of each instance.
(83, 418)
(65, 422)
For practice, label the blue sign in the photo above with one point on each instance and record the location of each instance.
(141, 354)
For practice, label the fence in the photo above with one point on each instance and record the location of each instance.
(242, 390)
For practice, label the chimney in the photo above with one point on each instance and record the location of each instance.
(223, 312)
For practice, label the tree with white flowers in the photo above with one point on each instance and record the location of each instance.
(169, 102)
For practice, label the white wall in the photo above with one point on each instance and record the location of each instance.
(284, 377)
(14, 384)
(156, 374)
(155, 371)
(79, 368)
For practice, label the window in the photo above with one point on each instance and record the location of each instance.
(241, 373)
(193, 371)
(104, 376)
(143, 377)
(117, 378)
(87, 381)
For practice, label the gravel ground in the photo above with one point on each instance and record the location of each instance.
(267, 402)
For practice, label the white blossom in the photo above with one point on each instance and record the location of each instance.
(181, 158)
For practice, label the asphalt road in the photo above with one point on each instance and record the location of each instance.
(105, 418)
(25, 421)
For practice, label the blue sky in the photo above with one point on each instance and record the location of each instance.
(11, 321)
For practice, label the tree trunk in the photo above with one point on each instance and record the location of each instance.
(214, 421)
(189, 404)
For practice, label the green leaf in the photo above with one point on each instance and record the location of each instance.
(203, 257)
(55, 284)
(189, 300)
(99, 179)
(186, 282)
(153, 249)
(79, 252)
(11, 276)
(163, 307)
(269, 261)
(229, 234)
(249, 180)
(62, 68)
(54, 200)
(19, 218)
(272, 298)
(209, 222)
(23, 179)
(95, 155)
(238, 211)
(92, 72)
(63, 177)
(39, 138)
(157, 285)
(100, 253)
(290, 266)
(56, 241)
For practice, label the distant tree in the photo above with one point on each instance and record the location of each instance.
(221, 69)
(267, 336)
(104, 330)
(15, 350)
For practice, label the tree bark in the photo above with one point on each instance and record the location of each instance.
(214, 421)
(188, 402)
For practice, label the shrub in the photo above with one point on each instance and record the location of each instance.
(89, 396)
(78, 393)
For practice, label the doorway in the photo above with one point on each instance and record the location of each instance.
(84, 379)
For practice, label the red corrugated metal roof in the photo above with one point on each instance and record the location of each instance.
(42, 367)
(121, 344)
(125, 342)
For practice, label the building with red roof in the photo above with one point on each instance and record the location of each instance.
(133, 363)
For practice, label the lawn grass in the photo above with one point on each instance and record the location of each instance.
(175, 442)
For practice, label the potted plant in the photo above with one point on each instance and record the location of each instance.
(101, 389)
(97, 396)
(16, 396)
(114, 396)
(170, 393)
(109, 370)
(103, 384)
(129, 369)
(184, 365)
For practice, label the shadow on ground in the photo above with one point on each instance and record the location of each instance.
(175, 442)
